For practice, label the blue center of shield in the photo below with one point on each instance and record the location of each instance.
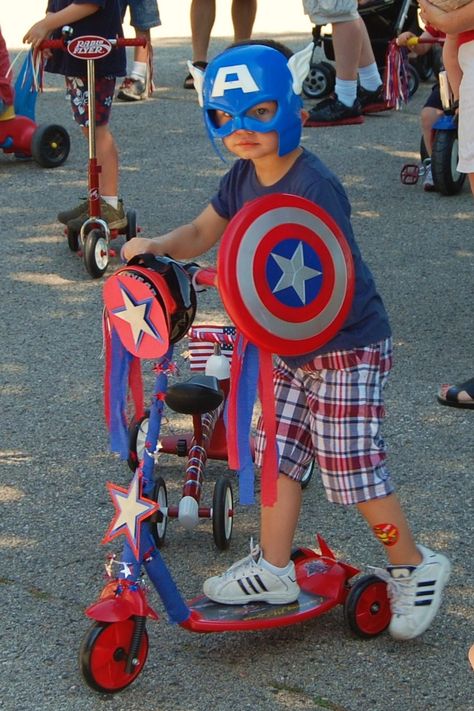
(294, 273)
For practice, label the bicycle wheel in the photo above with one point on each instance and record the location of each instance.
(222, 513)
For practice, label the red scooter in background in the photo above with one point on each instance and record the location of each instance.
(94, 238)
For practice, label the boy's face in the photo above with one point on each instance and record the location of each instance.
(251, 144)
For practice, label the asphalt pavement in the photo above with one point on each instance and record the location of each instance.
(54, 458)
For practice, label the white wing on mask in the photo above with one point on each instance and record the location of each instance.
(298, 65)
(198, 76)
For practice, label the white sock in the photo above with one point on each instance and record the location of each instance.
(274, 568)
(111, 200)
(346, 91)
(139, 71)
(369, 77)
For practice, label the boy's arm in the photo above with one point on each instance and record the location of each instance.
(451, 22)
(184, 242)
(72, 13)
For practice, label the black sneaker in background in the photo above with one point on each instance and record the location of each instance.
(372, 102)
(332, 112)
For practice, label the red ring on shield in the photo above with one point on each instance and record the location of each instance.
(317, 270)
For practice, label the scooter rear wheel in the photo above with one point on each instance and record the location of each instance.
(96, 253)
(367, 607)
(104, 654)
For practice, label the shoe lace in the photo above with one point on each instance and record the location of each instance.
(401, 591)
(243, 566)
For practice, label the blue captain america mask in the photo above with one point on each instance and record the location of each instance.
(244, 76)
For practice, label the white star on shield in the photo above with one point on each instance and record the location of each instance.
(135, 313)
(295, 272)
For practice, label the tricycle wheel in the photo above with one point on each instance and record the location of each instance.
(367, 607)
(96, 253)
(307, 475)
(444, 161)
(137, 434)
(72, 239)
(222, 513)
(413, 80)
(320, 80)
(104, 654)
(50, 145)
(131, 228)
(159, 521)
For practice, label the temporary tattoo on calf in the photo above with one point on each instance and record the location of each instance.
(387, 533)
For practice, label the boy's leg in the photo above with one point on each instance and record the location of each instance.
(112, 210)
(138, 84)
(278, 522)
(202, 15)
(243, 18)
(343, 108)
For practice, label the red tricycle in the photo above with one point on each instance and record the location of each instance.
(93, 240)
(47, 144)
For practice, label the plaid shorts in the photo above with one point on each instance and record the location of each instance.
(331, 410)
(78, 93)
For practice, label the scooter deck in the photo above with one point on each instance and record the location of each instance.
(322, 586)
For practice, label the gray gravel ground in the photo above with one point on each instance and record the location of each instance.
(54, 460)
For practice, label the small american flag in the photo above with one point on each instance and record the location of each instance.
(201, 344)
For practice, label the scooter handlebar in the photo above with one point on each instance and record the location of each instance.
(117, 42)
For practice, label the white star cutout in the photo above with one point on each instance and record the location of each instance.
(135, 315)
(295, 272)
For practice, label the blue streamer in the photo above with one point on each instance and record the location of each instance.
(25, 89)
(119, 372)
(246, 396)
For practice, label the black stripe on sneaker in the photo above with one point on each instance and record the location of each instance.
(426, 583)
(249, 582)
(260, 582)
(242, 587)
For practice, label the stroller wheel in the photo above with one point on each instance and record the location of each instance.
(320, 81)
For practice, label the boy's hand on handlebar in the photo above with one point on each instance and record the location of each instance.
(37, 33)
(138, 245)
(402, 39)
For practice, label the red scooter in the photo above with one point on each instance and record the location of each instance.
(93, 240)
(114, 650)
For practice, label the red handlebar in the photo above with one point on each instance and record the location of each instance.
(205, 277)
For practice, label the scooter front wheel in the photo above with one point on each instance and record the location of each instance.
(96, 253)
(367, 607)
(104, 655)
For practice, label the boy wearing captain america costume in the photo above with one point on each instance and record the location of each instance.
(329, 403)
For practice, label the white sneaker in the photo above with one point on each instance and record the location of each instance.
(428, 182)
(249, 581)
(415, 593)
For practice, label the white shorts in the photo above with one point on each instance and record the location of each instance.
(466, 109)
(324, 12)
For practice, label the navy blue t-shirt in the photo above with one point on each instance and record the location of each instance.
(106, 22)
(367, 322)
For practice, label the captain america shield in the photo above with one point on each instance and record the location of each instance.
(286, 275)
